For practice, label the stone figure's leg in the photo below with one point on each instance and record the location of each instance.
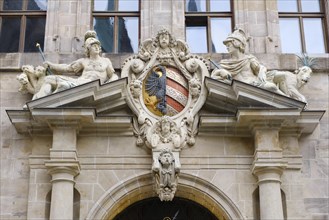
(47, 87)
(272, 87)
(61, 87)
(280, 79)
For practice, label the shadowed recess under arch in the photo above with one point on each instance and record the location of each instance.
(138, 188)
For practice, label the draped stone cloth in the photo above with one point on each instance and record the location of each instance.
(235, 67)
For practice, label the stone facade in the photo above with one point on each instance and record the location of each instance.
(258, 164)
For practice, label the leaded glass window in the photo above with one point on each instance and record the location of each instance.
(117, 25)
(22, 25)
(208, 23)
(302, 26)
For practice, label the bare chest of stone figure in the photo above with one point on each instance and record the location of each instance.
(94, 69)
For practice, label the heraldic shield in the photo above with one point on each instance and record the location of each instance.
(165, 93)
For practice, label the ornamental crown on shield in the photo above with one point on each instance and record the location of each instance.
(165, 92)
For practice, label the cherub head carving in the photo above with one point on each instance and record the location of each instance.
(164, 39)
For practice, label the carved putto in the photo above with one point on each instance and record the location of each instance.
(31, 79)
(166, 94)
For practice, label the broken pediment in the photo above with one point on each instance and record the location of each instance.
(93, 108)
(234, 108)
(228, 97)
(103, 109)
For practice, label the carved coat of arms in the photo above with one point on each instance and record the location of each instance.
(165, 92)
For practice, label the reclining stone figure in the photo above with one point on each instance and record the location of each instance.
(93, 67)
(243, 67)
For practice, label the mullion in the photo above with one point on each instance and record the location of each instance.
(22, 34)
(115, 34)
(299, 6)
(209, 34)
(24, 6)
(116, 5)
(301, 26)
(325, 34)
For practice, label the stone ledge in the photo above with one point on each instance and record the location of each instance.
(95, 162)
(292, 121)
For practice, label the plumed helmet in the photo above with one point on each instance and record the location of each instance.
(90, 38)
(238, 34)
(90, 41)
(89, 34)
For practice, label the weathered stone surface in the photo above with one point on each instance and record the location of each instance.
(217, 160)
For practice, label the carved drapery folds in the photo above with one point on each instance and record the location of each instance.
(247, 68)
(165, 93)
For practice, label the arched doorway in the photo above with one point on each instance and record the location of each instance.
(154, 209)
(139, 188)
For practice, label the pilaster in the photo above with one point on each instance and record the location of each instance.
(268, 166)
(63, 166)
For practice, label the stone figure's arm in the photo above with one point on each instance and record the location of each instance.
(258, 69)
(33, 79)
(110, 72)
(109, 69)
(73, 67)
(262, 73)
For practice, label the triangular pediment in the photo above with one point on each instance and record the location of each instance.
(228, 98)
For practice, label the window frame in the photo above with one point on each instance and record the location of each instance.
(300, 15)
(23, 14)
(208, 15)
(116, 14)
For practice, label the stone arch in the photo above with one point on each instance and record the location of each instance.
(137, 188)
